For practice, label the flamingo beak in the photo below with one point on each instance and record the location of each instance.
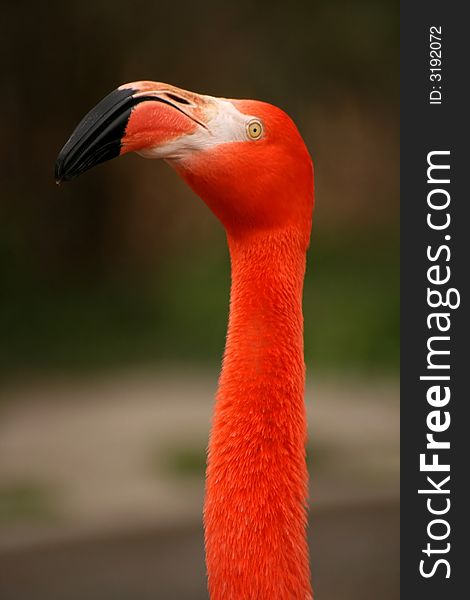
(145, 117)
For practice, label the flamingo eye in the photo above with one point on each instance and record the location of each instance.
(254, 129)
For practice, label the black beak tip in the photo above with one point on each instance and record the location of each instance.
(97, 138)
(60, 171)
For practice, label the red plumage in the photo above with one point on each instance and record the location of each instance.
(255, 509)
(248, 162)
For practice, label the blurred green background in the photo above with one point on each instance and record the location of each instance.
(126, 265)
(114, 294)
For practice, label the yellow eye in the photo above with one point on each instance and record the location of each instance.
(254, 129)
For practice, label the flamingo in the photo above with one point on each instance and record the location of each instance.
(247, 161)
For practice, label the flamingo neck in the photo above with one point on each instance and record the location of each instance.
(255, 515)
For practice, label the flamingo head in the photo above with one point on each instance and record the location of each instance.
(244, 158)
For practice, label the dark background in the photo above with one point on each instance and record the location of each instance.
(125, 264)
(427, 128)
(126, 271)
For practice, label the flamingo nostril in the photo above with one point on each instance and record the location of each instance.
(176, 98)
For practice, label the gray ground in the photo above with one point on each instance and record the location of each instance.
(101, 484)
